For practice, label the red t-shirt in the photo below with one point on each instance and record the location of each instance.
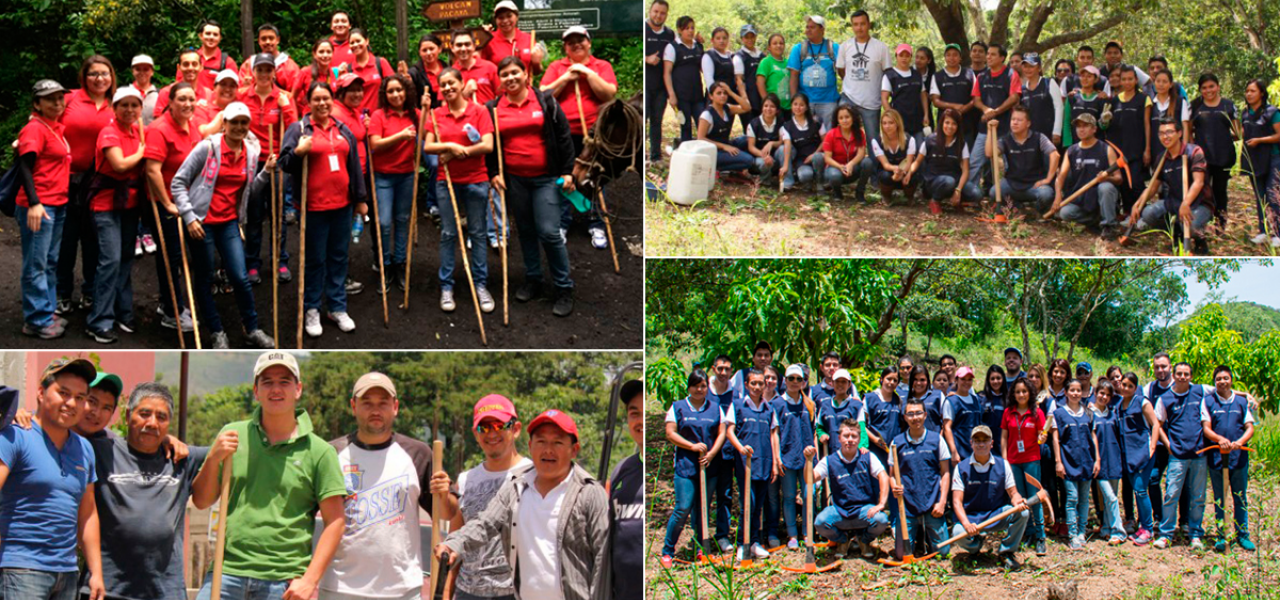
(233, 173)
(567, 96)
(170, 146)
(842, 149)
(163, 99)
(301, 82)
(453, 129)
(341, 50)
(328, 178)
(524, 150)
(397, 159)
(84, 120)
(371, 73)
(1026, 427)
(499, 48)
(127, 141)
(356, 124)
(485, 74)
(52, 173)
(434, 78)
(264, 114)
(285, 72)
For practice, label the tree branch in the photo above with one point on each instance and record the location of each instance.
(1035, 24)
(1000, 22)
(908, 282)
(1078, 35)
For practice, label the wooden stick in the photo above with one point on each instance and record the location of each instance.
(993, 138)
(506, 222)
(706, 506)
(902, 543)
(224, 496)
(377, 228)
(1186, 223)
(186, 275)
(413, 204)
(462, 242)
(1040, 497)
(275, 241)
(302, 245)
(746, 510)
(1080, 192)
(437, 506)
(604, 209)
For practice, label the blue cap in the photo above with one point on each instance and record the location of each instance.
(1085, 367)
(1012, 349)
(748, 28)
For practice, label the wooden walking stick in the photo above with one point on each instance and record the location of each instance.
(1186, 223)
(506, 220)
(901, 549)
(168, 269)
(993, 137)
(186, 275)
(437, 506)
(224, 496)
(377, 229)
(604, 209)
(302, 244)
(413, 204)
(462, 243)
(275, 241)
(810, 563)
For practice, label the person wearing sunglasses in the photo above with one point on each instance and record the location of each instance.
(495, 424)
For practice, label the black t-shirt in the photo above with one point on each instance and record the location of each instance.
(626, 509)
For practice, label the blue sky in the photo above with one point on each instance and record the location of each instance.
(1252, 283)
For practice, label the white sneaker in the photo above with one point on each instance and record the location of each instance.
(1275, 241)
(486, 305)
(1196, 544)
(311, 323)
(137, 247)
(758, 551)
(598, 239)
(446, 301)
(1261, 238)
(725, 544)
(148, 244)
(868, 551)
(345, 324)
(1162, 543)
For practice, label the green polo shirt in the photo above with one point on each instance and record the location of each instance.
(276, 490)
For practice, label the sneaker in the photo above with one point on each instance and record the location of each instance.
(61, 322)
(598, 239)
(1010, 562)
(1246, 544)
(774, 542)
(1130, 526)
(260, 339)
(102, 336)
(1220, 546)
(841, 549)
(48, 332)
(1110, 233)
(758, 551)
(564, 303)
(284, 275)
(493, 243)
(868, 551)
(1162, 543)
(1142, 538)
(1261, 238)
(353, 287)
(254, 277)
(1141, 225)
(1077, 543)
(1040, 548)
(86, 303)
(220, 341)
(1197, 544)
(528, 291)
(1116, 540)
(434, 212)
(725, 544)
(311, 323)
(666, 561)
(170, 323)
(126, 326)
(290, 216)
(345, 324)
(148, 243)
(486, 305)
(935, 208)
(64, 306)
(792, 544)
(446, 301)
(137, 248)
(397, 274)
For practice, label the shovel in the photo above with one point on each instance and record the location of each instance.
(1039, 498)
(900, 549)
(810, 562)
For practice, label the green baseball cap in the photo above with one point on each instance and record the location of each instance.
(955, 47)
(109, 382)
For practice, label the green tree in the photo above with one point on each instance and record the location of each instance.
(1207, 340)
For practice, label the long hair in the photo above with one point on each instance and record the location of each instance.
(98, 59)
(897, 120)
(858, 134)
(315, 70)
(410, 92)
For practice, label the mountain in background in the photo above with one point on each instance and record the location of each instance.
(1249, 318)
(208, 372)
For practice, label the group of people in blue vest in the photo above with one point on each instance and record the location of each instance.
(965, 455)
(850, 113)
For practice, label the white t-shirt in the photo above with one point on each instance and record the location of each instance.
(1164, 106)
(485, 573)
(709, 68)
(820, 471)
(949, 413)
(1204, 411)
(958, 486)
(878, 151)
(537, 548)
(862, 66)
(726, 415)
(1163, 415)
(669, 53)
(933, 84)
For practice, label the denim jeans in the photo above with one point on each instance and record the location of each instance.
(395, 201)
(30, 584)
(799, 172)
(430, 165)
(1040, 198)
(792, 482)
(1016, 524)
(1191, 473)
(472, 198)
(1108, 207)
(824, 112)
(78, 236)
(235, 587)
(226, 238)
(870, 117)
(941, 187)
(934, 528)
(535, 205)
(692, 111)
(1139, 483)
(1155, 215)
(1112, 525)
(1266, 193)
(259, 211)
(169, 234)
(1077, 506)
(458, 595)
(328, 240)
(1020, 471)
(764, 513)
(655, 107)
(40, 264)
(742, 161)
(1159, 463)
(978, 157)
(688, 503)
(495, 219)
(829, 524)
(113, 286)
(1239, 480)
(833, 178)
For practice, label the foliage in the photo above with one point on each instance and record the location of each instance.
(1206, 341)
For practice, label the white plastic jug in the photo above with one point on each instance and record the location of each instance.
(691, 176)
(706, 149)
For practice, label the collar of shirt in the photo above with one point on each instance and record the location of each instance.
(505, 101)
(1100, 412)
(753, 404)
(983, 467)
(917, 441)
(1074, 413)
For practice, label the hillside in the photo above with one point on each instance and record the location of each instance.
(1249, 318)
(209, 371)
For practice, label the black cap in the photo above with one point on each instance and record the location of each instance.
(44, 87)
(263, 58)
(75, 366)
(630, 390)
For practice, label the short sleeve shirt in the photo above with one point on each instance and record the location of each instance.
(524, 149)
(267, 114)
(485, 74)
(233, 173)
(112, 136)
(52, 173)
(500, 47)
(568, 97)
(41, 498)
(839, 148)
(328, 179)
(863, 66)
(485, 573)
(84, 120)
(1025, 427)
(474, 119)
(397, 159)
(169, 145)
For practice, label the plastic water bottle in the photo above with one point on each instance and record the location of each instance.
(357, 228)
(472, 133)
(575, 197)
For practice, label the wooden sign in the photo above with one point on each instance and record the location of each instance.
(445, 38)
(452, 10)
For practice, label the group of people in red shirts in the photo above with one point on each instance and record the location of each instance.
(213, 147)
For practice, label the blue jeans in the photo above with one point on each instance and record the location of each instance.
(113, 285)
(1139, 483)
(741, 161)
(535, 205)
(792, 481)
(30, 584)
(977, 156)
(870, 117)
(934, 528)
(260, 212)
(430, 165)
(801, 171)
(471, 197)
(833, 178)
(1192, 473)
(1108, 207)
(829, 524)
(1266, 192)
(168, 233)
(226, 238)
(764, 512)
(1111, 521)
(941, 187)
(1239, 479)
(243, 588)
(824, 112)
(1077, 506)
(1155, 215)
(1027, 490)
(40, 264)
(494, 218)
(1015, 523)
(395, 199)
(688, 503)
(328, 239)
(1040, 198)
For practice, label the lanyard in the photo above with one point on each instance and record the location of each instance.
(61, 138)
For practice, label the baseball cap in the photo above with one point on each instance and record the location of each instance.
(1012, 349)
(506, 5)
(1084, 366)
(109, 382)
(127, 91)
(347, 79)
(270, 359)
(575, 30)
(236, 109)
(819, 21)
(262, 58)
(842, 374)
(630, 390)
(370, 380)
(226, 74)
(44, 87)
(983, 429)
(963, 372)
(1084, 118)
(794, 370)
(142, 59)
(1031, 58)
(1092, 69)
(557, 418)
(748, 28)
(493, 405)
(901, 48)
(955, 47)
(75, 366)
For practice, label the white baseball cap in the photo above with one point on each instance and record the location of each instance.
(227, 74)
(127, 91)
(819, 21)
(576, 29)
(142, 59)
(275, 357)
(794, 370)
(508, 5)
(842, 374)
(236, 109)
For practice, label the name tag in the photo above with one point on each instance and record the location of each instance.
(1020, 448)
(333, 163)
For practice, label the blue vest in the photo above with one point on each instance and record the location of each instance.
(686, 72)
(884, 416)
(831, 417)
(966, 413)
(932, 410)
(724, 401)
(992, 416)
(920, 475)
(1182, 421)
(904, 97)
(754, 428)
(1076, 443)
(722, 69)
(994, 90)
(721, 125)
(821, 392)
(1110, 452)
(1136, 433)
(1040, 103)
(984, 493)
(1227, 419)
(795, 431)
(851, 483)
(697, 426)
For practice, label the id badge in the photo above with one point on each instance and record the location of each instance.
(333, 163)
(1020, 448)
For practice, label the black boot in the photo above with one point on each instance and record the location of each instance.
(564, 302)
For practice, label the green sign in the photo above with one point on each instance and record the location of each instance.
(603, 18)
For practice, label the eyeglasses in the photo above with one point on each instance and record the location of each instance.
(794, 378)
(98, 75)
(492, 427)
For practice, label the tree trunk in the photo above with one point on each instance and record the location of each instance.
(928, 343)
(908, 282)
(950, 19)
(1000, 22)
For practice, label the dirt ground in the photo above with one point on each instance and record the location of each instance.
(1099, 571)
(745, 219)
(607, 313)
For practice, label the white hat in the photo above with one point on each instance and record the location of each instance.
(127, 91)
(794, 370)
(819, 21)
(275, 357)
(506, 4)
(576, 29)
(227, 74)
(142, 59)
(233, 110)
(842, 374)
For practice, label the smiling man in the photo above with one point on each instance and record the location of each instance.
(552, 520)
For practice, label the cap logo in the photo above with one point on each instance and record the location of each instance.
(489, 407)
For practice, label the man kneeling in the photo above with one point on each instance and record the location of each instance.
(859, 489)
(982, 486)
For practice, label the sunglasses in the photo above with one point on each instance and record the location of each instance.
(794, 378)
(492, 427)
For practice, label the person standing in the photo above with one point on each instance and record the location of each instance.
(624, 554)
(722, 65)
(1131, 132)
(1139, 430)
(842, 404)
(961, 413)
(269, 43)
(188, 73)
(270, 111)
(143, 69)
(751, 58)
(1213, 123)
(511, 41)
(1261, 123)
(169, 140)
(1043, 98)
(812, 65)
(995, 92)
(682, 77)
(657, 36)
(1228, 422)
(1106, 430)
(393, 134)
(322, 68)
(340, 40)
(863, 61)
(772, 76)
(1020, 428)
(903, 90)
(1180, 410)
(1076, 448)
(924, 462)
(213, 59)
(756, 441)
(479, 75)
(952, 87)
(370, 68)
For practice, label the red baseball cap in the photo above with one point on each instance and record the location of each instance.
(495, 406)
(557, 418)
